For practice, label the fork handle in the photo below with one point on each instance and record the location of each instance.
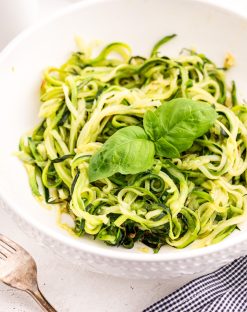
(40, 299)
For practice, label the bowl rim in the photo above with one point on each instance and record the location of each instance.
(77, 244)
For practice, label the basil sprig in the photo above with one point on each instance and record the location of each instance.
(176, 124)
(121, 153)
(168, 131)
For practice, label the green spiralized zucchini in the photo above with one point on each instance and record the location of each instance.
(198, 197)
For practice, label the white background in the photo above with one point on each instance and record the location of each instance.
(71, 288)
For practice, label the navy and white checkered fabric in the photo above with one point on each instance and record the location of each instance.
(224, 290)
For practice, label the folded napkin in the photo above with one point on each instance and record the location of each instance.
(224, 290)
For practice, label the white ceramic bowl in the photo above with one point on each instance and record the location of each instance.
(140, 23)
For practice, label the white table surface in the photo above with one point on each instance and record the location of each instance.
(71, 288)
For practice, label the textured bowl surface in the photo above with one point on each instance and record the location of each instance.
(140, 23)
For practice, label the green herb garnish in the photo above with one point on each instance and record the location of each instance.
(168, 131)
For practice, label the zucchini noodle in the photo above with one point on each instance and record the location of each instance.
(199, 196)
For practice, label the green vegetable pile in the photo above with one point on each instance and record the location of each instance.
(141, 149)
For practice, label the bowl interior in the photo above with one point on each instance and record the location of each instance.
(206, 28)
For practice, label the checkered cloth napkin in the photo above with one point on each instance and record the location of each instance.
(224, 290)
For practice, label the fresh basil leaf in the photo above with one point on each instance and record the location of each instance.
(179, 122)
(151, 125)
(127, 151)
(165, 149)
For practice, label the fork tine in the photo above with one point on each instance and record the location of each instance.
(6, 248)
(2, 255)
(9, 244)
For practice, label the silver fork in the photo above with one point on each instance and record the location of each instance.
(18, 269)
